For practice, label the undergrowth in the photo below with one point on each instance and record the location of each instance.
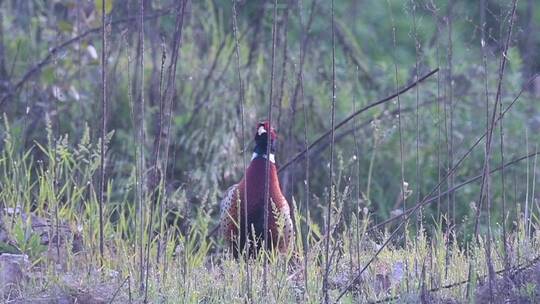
(49, 210)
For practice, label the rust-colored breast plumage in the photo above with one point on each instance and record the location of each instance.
(251, 189)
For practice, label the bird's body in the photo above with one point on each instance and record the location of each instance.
(251, 192)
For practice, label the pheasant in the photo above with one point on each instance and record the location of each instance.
(252, 188)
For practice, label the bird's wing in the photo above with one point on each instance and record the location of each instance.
(229, 213)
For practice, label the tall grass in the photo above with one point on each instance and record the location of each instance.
(198, 269)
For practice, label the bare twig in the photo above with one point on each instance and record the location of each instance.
(156, 182)
(331, 189)
(268, 150)
(407, 215)
(489, 236)
(161, 113)
(417, 70)
(52, 52)
(54, 171)
(3, 71)
(242, 122)
(118, 290)
(381, 224)
(529, 221)
(283, 66)
(301, 154)
(400, 131)
(436, 18)
(453, 189)
(451, 198)
(484, 188)
(141, 137)
(300, 84)
(358, 126)
(304, 44)
(103, 128)
(357, 150)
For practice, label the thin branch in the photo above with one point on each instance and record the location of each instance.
(162, 178)
(159, 170)
(142, 141)
(407, 215)
(3, 70)
(484, 188)
(304, 44)
(417, 116)
(300, 84)
(331, 187)
(301, 154)
(357, 126)
(52, 52)
(118, 289)
(103, 128)
(451, 198)
(242, 122)
(453, 189)
(469, 151)
(283, 66)
(400, 129)
(268, 150)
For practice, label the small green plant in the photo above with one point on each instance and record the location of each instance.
(529, 291)
(25, 240)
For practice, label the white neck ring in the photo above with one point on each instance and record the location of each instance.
(272, 157)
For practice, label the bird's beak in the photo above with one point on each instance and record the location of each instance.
(261, 130)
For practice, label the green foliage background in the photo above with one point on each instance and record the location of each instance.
(205, 150)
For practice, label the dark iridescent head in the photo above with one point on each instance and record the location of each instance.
(261, 137)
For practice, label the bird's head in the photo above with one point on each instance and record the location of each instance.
(261, 137)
